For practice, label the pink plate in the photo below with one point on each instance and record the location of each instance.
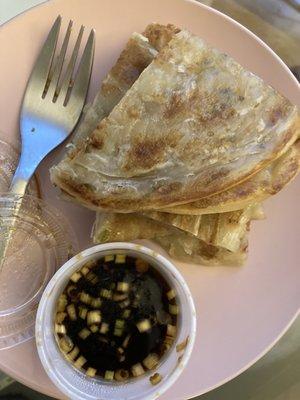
(241, 311)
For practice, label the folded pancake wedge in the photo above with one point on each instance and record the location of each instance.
(194, 123)
(136, 56)
(112, 227)
(260, 186)
(138, 53)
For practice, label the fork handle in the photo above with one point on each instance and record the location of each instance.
(25, 169)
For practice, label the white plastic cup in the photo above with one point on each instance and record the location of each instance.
(72, 382)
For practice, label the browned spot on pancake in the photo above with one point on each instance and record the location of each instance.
(275, 115)
(174, 106)
(209, 250)
(243, 191)
(73, 153)
(215, 176)
(275, 189)
(290, 133)
(288, 173)
(211, 107)
(97, 140)
(281, 112)
(170, 188)
(150, 151)
(133, 112)
(145, 154)
(160, 35)
(172, 138)
(76, 187)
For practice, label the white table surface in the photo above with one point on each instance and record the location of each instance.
(277, 375)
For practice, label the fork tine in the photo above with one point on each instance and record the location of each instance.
(54, 77)
(62, 90)
(40, 71)
(83, 75)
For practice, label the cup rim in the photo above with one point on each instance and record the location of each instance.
(71, 265)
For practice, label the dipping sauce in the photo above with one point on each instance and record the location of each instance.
(116, 318)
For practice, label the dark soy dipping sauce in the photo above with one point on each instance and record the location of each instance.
(116, 317)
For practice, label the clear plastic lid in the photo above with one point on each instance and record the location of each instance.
(41, 241)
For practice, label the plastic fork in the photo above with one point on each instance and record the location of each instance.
(51, 108)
